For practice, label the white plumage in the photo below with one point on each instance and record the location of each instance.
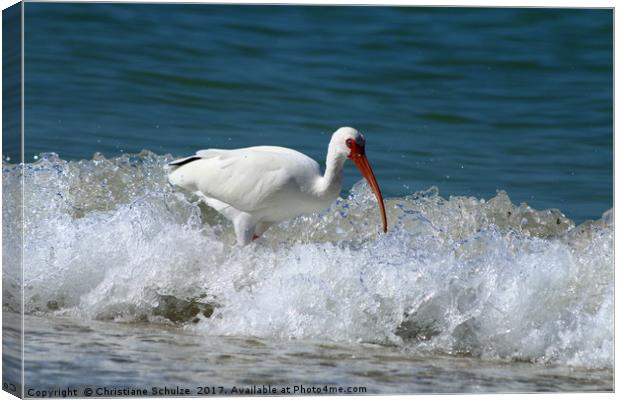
(255, 187)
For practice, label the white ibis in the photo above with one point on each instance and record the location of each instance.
(255, 187)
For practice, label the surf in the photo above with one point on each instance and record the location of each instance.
(110, 239)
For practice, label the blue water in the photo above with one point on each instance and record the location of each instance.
(470, 100)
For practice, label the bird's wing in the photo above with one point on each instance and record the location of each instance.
(209, 153)
(246, 178)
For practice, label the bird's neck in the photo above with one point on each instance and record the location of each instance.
(331, 182)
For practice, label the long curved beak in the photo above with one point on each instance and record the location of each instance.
(358, 156)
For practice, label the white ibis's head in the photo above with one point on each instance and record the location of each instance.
(350, 143)
(344, 139)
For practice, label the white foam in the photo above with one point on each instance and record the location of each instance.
(110, 239)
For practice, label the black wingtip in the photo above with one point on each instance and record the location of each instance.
(183, 161)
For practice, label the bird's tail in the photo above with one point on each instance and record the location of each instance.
(172, 166)
(201, 154)
(176, 164)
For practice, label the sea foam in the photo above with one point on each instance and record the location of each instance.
(110, 239)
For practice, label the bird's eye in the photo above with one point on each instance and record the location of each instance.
(349, 143)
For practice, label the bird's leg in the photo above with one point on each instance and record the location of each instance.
(261, 227)
(244, 228)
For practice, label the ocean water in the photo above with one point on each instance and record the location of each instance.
(468, 100)
(489, 130)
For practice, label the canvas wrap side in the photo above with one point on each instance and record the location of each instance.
(12, 197)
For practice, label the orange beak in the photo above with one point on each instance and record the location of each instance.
(358, 156)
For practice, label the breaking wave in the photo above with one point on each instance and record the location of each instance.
(110, 239)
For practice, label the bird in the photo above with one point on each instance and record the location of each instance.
(256, 187)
